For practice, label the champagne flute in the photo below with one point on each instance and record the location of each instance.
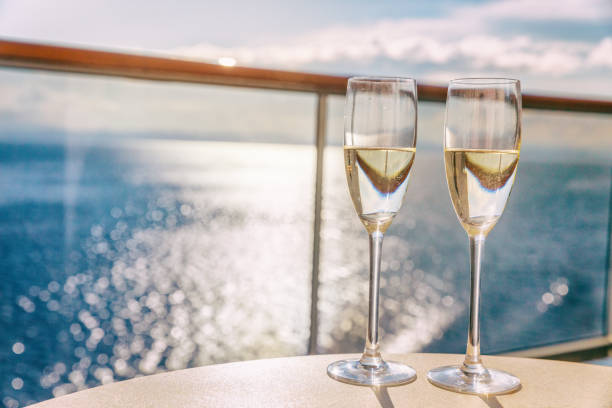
(481, 151)
(379, 148)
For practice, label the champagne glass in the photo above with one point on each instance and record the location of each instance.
(481, 151)
(379, 148)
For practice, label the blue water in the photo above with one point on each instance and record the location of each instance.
(124, 259)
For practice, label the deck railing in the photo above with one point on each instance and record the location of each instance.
(161, 68)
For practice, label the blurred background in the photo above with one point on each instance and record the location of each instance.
(148, 226)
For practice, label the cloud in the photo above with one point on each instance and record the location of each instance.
(391, 41)
(467, 38)
(602, 54)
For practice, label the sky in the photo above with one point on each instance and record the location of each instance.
(555, 47)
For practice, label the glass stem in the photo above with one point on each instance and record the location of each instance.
(472, 365)
(371, 357)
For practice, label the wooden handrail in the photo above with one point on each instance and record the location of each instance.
(83, 61)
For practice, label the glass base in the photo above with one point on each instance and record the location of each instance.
(491, 382)
(353, 372)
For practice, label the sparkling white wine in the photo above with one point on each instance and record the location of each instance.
(480, 182)
(377, 180)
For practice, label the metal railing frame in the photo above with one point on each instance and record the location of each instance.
(17, 54)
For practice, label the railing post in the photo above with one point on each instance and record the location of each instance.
(608, 321)
(314, 286)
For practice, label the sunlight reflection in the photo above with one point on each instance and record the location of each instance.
(227, 61)
(185, 285)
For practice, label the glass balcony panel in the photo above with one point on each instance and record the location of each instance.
(544, 276)
(148, 226)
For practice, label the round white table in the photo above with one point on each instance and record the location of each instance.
(303, 382)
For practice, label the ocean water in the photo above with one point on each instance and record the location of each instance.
(129, 258)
